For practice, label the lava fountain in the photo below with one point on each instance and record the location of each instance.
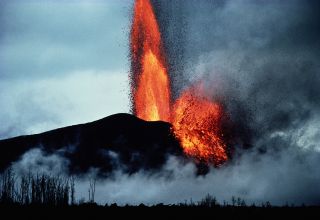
(150, 82)
(195, 119)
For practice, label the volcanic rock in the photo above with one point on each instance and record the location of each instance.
(120, 140)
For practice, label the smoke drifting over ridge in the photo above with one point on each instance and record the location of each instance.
(287, 177)
(260, 59)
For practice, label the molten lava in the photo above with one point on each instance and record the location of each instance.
(151, 89)
(195, 119)
(197, 124)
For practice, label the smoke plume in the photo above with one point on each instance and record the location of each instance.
(260, 60)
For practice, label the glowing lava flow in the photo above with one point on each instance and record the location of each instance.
(197, 124)
(151, 89)
(195, 119)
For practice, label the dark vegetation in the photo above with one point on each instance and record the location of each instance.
(36, 189)
(46, 196)
(48, 190)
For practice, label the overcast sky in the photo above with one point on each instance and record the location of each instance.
(62, 63)
(67, 63)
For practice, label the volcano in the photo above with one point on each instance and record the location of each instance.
(117, 140)
(196, 118)
(190, 125)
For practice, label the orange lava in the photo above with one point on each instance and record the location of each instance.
(196, 123)
(195, 119)
(151, 95)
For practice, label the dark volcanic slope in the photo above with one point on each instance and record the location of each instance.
(118, 140)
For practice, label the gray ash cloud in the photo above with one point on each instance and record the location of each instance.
(260, 59)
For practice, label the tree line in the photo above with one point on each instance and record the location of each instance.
(36, 189)
(52, 190)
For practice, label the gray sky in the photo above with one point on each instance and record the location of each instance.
(67, 63)
(61, 63)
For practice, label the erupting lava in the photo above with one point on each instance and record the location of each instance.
(196, 120)
(150, 91)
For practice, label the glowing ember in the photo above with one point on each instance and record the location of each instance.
(151, 93)
(196, 123)
(195, 119)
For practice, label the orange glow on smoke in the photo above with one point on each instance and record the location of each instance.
(195, 119)
(152, 94)
(196, 123)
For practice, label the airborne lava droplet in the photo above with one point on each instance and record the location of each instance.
(151, 89)
(195, 118)
(197, 124)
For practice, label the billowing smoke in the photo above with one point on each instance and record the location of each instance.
(260, 59)
(36, 161)
(289, 177)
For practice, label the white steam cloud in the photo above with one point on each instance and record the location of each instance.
(287, 177)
